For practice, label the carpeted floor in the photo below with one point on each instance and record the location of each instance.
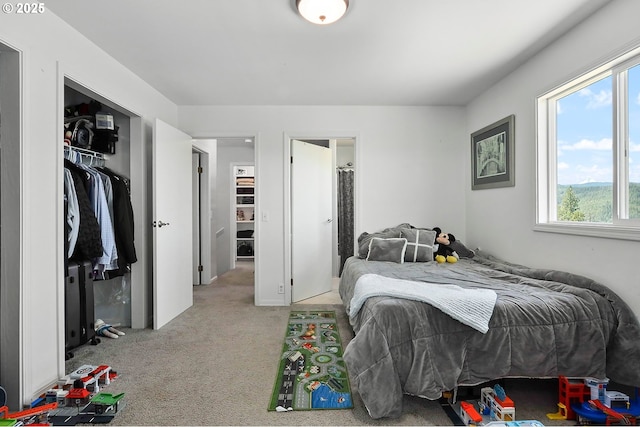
(215, 365)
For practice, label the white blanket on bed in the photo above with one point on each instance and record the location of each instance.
(473, 307)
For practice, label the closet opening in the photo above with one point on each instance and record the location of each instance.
(10, 225)
(120, 297)
(104, 152)
(244, 211)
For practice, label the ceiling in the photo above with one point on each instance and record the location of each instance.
(383, 52)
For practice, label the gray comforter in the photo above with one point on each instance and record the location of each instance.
(545, 323)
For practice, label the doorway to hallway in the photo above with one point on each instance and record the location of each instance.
(341, 219)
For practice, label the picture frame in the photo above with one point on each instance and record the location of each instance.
(492, 155)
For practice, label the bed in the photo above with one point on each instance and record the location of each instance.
(541, 324)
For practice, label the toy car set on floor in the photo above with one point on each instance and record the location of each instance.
(585, 400)
(588, 401)
(76, 399)
(494, 408)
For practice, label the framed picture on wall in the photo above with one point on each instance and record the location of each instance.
(492, 155)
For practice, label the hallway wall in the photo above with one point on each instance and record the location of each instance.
(407, 157)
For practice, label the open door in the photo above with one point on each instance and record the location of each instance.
(11, 174)
(196, 173)
(172, 223)
(311, 220)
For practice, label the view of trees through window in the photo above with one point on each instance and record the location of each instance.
(585, 155)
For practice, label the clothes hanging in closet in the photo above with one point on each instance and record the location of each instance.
(123, 222)
(99, 219)
(88, 244)
(98, 195)
(72, 210)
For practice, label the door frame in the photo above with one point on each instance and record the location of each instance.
(201, 207)
(141, 306)
(287, 137)
(217, 226)
(196, 217)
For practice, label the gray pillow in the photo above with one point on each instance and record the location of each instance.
(462, 250)
(365, 239)
(419, 244)
(391, 249)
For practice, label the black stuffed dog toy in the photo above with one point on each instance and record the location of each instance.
(443, 252)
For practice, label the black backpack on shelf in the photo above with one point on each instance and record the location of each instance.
(245, 249)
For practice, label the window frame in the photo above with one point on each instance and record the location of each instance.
(621, 132)
(546, 152)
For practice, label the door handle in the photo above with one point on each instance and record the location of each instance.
(159, 224)
(330, 220)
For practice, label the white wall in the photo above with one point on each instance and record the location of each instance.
(409, 167)
(50, 49)
(501, 220)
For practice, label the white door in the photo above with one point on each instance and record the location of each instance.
(311, 220)
(172, 223)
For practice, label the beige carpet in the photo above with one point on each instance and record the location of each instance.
(216, 364)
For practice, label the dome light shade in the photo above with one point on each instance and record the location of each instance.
(322, 12)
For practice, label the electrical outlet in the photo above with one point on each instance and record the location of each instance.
(281, 288)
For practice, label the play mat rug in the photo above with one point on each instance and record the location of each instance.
(311, 374)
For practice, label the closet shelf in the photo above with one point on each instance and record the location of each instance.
(243, 203)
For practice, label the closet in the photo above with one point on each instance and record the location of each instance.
(244, 203)
(98, 250)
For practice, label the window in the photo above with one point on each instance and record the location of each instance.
(588, 153)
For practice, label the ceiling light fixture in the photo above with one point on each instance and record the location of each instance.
(322, 12)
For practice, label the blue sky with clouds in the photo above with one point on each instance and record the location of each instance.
(585, 133)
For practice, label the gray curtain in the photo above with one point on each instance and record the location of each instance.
(345, 215)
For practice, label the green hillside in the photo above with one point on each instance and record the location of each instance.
(595, 200)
